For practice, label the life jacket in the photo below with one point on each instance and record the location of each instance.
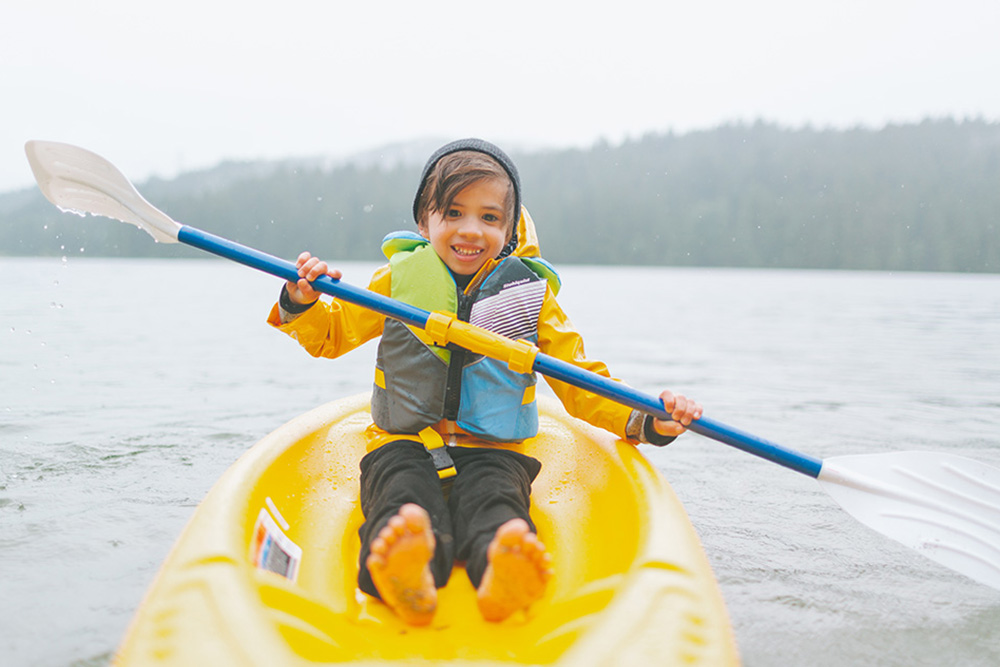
(418, 384)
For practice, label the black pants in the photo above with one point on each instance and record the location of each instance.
(491, 487)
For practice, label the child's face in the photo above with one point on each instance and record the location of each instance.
(473, 229)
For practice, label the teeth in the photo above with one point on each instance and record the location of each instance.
(468, 253)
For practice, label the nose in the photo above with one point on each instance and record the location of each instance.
(469, 226)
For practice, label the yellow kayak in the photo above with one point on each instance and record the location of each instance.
(264, 573)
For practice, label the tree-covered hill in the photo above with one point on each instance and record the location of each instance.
(907, 197)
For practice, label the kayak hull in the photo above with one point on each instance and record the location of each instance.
(265, 571)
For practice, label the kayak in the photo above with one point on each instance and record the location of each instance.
(265, 571)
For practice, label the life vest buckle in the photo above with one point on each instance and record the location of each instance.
(434, 444)
(437, 327)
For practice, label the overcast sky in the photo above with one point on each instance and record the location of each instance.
(162, 87)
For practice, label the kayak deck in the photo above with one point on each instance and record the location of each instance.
(631, 586)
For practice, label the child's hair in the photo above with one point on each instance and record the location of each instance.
(455, 172)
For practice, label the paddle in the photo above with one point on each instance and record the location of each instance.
(946, 507)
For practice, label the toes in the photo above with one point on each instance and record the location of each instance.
(396, 525)
(377, 554)
(512, 534)
(544, 565)
(415, 520)
(414, 515)
(391, 532)
(531, 546)
(517, 539)
(535, 551)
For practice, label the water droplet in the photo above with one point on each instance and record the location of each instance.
(369, 207)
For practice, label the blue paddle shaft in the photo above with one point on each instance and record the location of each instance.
(545, 364)
(560, 370)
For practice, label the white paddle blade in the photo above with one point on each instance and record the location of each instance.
(78, 181)
(946, 507)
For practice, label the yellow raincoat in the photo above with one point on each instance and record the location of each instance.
(334, 328)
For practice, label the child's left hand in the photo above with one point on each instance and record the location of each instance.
(683, 410)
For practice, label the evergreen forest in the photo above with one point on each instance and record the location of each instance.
(915, 197)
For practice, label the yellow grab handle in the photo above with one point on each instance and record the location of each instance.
(444, 328)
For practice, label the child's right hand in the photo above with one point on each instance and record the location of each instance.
(310, 268)
(682, 410)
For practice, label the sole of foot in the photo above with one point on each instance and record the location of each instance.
(399, 565)
(517, 574)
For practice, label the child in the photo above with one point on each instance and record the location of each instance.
(475, 255)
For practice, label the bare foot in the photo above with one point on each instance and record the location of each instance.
(519, 569)
(399, 565)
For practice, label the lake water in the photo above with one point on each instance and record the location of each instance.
(129, 386)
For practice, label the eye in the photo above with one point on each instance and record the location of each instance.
(454, 213)
(492, 218)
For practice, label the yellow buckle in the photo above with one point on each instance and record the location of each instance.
(522, 357)
(520, 354)
(434, 444)
(437, 327)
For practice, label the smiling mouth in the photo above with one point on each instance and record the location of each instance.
(467, 252)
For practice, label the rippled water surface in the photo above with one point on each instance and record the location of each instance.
(129, 386)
